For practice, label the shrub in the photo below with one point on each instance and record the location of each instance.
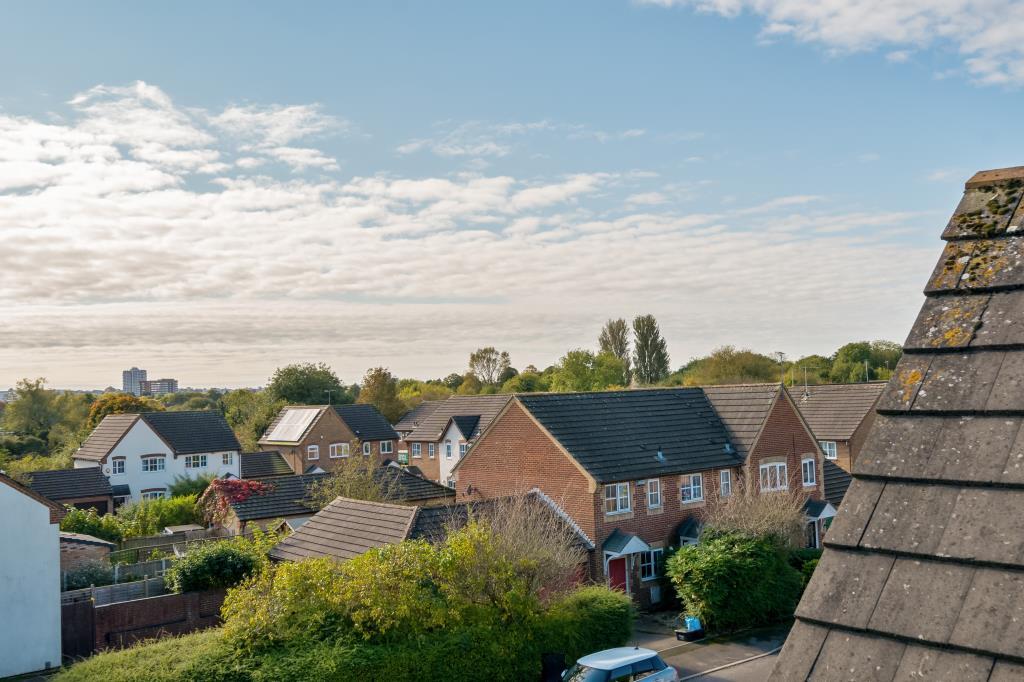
(210, 566)
(778, 515)
(187, 485)
(589, 619)
(150, 517)
(733, 581)
(88, 522)
(88, 573)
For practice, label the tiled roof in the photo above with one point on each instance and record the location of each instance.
(414, 417)
(121, 490)
(467, 424)
(834, 411)
(262, 464)
(82, 539)
(743, 408)
(105, 436)
(837, 480)
(617, 435)
(408, 487)
(486, 407)
(366, 422)
(270, 429)
(66, 484)
(923, 571)
(56, 510)
(194, 431)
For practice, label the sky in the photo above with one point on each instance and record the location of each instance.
(213, 190)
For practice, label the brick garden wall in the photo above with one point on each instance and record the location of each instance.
(123, 624)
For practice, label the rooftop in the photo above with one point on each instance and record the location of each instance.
(366, 422)
(835, 411)
(263, 464)
(68, 484)
(185, 432)
(744, 408)
(486, 407)
(411, 419)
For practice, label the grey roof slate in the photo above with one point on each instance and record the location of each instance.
(105, 436)
(194, 431)
(923, 570)
(467, 424)
(836, 411)
(617, 435)
(837, 481)
(83, 539)
(121, 490)
(743, 408)
(414, 417)
(67, 484)
(366, 422)
(263, 464)
(432, 427)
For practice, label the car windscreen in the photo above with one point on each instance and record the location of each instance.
(581, 673)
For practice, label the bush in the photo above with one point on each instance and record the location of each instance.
(150, 517)
(187, 485)
(88, 573)
(587, 620)
(733, 581)
(210, 566)
(88, 522)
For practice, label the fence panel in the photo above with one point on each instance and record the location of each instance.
(113, 594)
(77, 626)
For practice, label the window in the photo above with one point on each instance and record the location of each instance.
(649, 564)
(448, 450)
(430, 450)
(117, 465)
(367, 449)
(154, 494)
(228, 458)
(829, 448)
(616, 498)
(195, 461)
(692, 488)
(313, 452)
(150, 464)
(774, 476)
(337, 450)
(654, 493)
(417, 450)
(386, 447)
(462, 448)
(724, 483)
(807, 467)
(450, 482)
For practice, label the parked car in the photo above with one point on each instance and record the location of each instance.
(624, 664)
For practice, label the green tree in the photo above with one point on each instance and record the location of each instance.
(488, 364)
(380, 389)
(357, 478)
(614, 339)
(650, 353)
(582, 370)
(470, 385)
(412, 392)
(727, 365)
(34, 411)
(453, 381)
(119, 403)
(249, 414)
(526, 382)
(814, 369)
(308, 384)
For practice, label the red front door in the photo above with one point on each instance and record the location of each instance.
(617, 574)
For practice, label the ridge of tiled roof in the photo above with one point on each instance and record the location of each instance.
(834, 411)
(616, 435)
(743, 408)
(411, 419)
(188, 432)
(105, 436)
(366, 422)
(65, 484)
(486, 406)
(923, 569)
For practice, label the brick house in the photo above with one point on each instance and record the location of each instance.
(316, 437)
(633, 469)
(443, 431)
(840, 415)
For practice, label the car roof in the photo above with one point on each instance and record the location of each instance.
(610, 659)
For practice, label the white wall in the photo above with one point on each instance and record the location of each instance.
(141, 440)
(29, 585)
(454, 435)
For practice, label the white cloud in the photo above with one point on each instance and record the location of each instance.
(898, 56)
(985, 32)
(646, 198)
(940, 175)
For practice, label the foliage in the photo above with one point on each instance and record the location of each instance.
(588, 619)
(727, 365)
(20, 446)
(88, 522)
(581, 370)
(88, 574)
(805, 560)
(214, 506)
(650, 353)
(308, 384)
(848, 363)
(357, 478)
(210, 566)
(19, 468)
(488, 364)
(380, 389)
(188, 485)
(732, 581)
(614, 339)
(525, 382)
(412, 392)
(470, 385)
(150, 517)
(119, 403)
(34, 411)
(249, 414)
(453, 381)
(777, 515)
(810, 369)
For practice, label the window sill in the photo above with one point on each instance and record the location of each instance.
(691, 504)
(627, 514)
(654, 511)
(810, 485)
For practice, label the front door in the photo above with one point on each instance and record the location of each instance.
(617, 574)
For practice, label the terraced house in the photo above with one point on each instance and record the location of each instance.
(840, 415)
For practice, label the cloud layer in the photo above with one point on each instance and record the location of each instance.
(217, 245)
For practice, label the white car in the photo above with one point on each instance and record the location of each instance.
(623, 664)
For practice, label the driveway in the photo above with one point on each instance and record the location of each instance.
(756, 670)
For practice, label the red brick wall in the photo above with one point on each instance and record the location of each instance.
(431, 468)
(328, 429)
(76, 553)
(784, 435)
(516, 455)
(123, 624)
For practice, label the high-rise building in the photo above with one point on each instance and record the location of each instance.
(131, 380)
(158, 387)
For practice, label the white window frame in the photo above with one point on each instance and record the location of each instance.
(312, 452)
(367, 448)
(463, 446)
(622, 502)
(694, 484)
(654, 493)
(337, 450)
(649, 564)
(725, 483)
(114, 469)
(417, 451)
(804, 468)
(227, 458)
(386, 447)
(195, 461)
(146, 469)
(830, 449)
(158, 494)
(781, 474)
(431, 450)
(447, 449)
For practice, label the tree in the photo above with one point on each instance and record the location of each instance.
(452, 381)
(727, 365)
(357, 478)
(380, 389)
(526, 382)
(308, 384)
(249, 414)
(581, 370)
(650, 353)
(34, 411)
(812, 369)
(119, 403)
(470, 385)
(487, 364)
(412, 392)
(614, 339)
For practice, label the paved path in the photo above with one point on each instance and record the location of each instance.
(757, 670)
(695, 657)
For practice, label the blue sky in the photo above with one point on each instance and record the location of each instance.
(212, 191)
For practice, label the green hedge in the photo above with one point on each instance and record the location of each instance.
(210, 566)
(733, 581)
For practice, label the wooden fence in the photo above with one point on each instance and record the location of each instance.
(113, 594)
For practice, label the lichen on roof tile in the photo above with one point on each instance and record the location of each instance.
(985, 211)
(951, 265)
(947, 322)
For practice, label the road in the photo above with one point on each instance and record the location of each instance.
(757, 670)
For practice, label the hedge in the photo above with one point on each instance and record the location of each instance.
(210, 566)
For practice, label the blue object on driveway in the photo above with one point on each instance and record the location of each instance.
(692, 629)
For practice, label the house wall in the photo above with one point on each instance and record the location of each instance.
(514, 456)
(29, 585)
(784, 438)
(75, 553)
(329, 428)
(445, 463)
(430, 466)
(142, 440)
